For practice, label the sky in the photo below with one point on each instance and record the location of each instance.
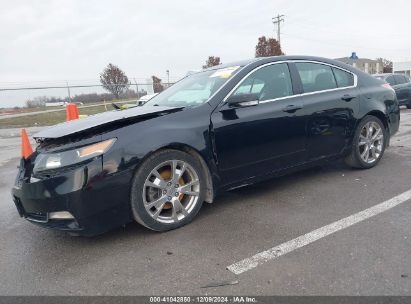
(52, 41)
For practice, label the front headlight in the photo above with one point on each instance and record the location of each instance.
(47, 161)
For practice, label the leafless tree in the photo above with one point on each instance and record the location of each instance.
(157, 85)
(114, 80)
(39, 101)
(386, 64)
(212, 61)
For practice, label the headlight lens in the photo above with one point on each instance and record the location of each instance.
(47, 161)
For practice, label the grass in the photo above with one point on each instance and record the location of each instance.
(47, 119)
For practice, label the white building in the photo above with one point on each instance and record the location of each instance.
(402, 67)
(364, 64)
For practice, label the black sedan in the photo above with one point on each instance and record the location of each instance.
(218, 129)
(401, 85)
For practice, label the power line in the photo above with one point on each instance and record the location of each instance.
(68, 86)
(62, 82)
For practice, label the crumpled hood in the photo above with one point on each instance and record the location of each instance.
(98, 120)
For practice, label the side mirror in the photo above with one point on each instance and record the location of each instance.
(243, 100)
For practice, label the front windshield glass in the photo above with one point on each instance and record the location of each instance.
(195, 89)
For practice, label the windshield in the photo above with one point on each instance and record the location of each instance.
(195, 89)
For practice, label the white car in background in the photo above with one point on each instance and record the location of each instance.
(145, 98)
(139, 102)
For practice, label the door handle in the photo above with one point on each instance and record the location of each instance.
(347, 97)
(292, 108)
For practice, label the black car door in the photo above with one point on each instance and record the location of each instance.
(256, 138)
(330, 102)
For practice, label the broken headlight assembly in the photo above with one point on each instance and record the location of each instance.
(49, 161)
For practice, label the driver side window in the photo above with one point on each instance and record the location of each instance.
(270, 82)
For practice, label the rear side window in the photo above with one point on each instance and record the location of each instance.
(390, 80)
(316, 77)
(344, 79)
(269, 82)
(399, 79)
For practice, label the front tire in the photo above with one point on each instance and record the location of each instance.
(167, 190)
(368, 144)
(409, 106)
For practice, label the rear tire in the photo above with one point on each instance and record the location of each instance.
(368, 145)
(167, 190)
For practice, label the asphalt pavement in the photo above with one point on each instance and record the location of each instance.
(370, 257)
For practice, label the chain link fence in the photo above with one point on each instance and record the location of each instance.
(41, 94)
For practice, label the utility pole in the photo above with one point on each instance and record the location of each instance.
(136, 88)
(277, 20)
(168, 78)
(68, 89)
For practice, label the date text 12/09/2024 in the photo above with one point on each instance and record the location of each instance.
(203, 299)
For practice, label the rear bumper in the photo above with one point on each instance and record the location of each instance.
(97, 201)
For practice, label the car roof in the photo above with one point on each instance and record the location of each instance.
(230, 64)
(281, 58)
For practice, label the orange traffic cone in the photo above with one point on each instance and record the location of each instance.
(71, 111)
(26, 149)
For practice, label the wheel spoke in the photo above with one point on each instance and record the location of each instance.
(179, 207)
(174, 214)
(180, 172)
(174, 178)
(363, 141)
(367, 130)
(159, 184)
(192, 193)
(365, 153)
(377, 135)
(159, 179)
(370, 131)
(186, 189)
(158, 204)
(377, 150)
(373, 154)
(157, 213)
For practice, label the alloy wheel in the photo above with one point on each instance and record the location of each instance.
(171, 191)
(371, 142)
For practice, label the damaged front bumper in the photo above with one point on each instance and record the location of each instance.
(83, 200)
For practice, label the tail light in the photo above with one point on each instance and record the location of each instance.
(387, 86)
